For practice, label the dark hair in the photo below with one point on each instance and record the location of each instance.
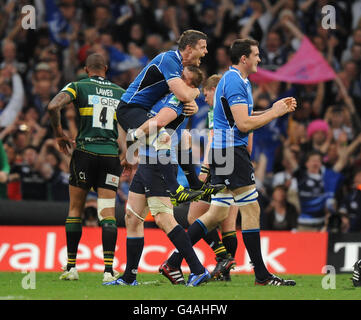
(95, 61)
(190, 37)
(197, 75)
(313, 153)
(241, 47)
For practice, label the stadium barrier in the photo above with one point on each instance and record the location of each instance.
(32, 237)
(43, 248)
(48, 213)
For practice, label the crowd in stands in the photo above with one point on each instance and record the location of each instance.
(308, 165)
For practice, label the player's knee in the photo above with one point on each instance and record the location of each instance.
(132, 216)
(103, 204)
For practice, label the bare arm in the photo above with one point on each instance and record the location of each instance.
(54, 108)
(246, 123)
(183, 92)
(250, 143)
(163, 117)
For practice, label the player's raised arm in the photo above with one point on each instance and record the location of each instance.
(246, 123)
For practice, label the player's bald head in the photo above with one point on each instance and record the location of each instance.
(95, 62)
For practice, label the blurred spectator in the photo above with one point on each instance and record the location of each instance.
(319, 137)
(280, 214)
(350, 207)
(12, 95)
(316, 186)
(33, 184)
(55, 170)
(9, 54)
(90, 215)
(285, 177)
(13, 187)
(4, 171)
(339, 121)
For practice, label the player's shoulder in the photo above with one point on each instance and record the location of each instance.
(170, 55)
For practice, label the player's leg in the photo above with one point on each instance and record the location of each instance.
(136, 211)
(108, 171)
(161, 209)
(135, 214)
(216, 213)
(106, 216)
(196, 210)
(229, 237)
(79, 185)
(186, 162)
(73, 230)
(246, 199)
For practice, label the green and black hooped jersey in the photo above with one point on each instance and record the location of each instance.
(96, 100)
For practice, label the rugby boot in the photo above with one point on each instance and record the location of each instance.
(356, 275)
(183, 195)
(72, 274)
(275, 281)
(174, 275)
(223, 266)
(195, 280)
(120, 282)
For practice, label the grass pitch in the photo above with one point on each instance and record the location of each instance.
(156, 287)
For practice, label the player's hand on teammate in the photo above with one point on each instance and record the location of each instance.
(285, 105)
(65, 144)
(190, 108)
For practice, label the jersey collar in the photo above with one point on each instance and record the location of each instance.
(240, 74)
(179, 56)
(98, 78)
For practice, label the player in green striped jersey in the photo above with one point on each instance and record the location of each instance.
(95, 161)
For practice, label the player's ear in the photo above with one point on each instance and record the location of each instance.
(86, 69)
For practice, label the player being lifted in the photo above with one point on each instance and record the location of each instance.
(224, 250)
(149, 190)
(230, 160)
(161, 75)
(95, 160)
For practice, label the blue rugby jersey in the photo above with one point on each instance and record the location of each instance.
(177, 125)
(232, 89)
(151, 83)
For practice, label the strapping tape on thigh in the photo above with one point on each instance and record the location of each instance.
(156, 206)
(245, 198)
(222, 199)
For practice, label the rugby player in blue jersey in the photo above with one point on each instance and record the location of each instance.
(230, 161)
(148, 191)
(161, 76)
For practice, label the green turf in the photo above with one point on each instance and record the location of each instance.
(155, 287)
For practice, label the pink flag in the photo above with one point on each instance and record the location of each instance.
(307, 66)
